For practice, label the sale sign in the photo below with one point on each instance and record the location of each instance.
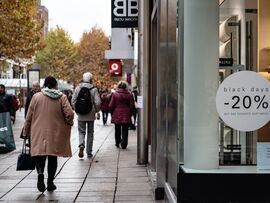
(242, 101)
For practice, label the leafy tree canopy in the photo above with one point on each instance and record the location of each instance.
(59, 56)
(20, 29)
(65, 60)
(91, 50)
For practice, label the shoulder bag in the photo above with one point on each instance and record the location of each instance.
(25, 161)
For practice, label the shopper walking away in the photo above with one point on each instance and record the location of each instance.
(48, 122)
(7, 114)
(34, 90)
(15, 106)
(105, 106)
(86, 102)
(121, 106)
(6, 102)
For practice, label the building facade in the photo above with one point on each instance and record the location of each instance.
(195, 155)
(122, 55)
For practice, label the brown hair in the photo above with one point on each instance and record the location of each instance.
(122, 84)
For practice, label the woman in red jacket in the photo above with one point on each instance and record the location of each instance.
(104, 106)
(121, 106)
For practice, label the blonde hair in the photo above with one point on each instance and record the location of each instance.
(122, 84)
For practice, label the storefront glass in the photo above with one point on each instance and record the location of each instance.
(241, 31)
(164, 90)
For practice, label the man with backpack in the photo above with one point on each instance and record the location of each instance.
(86, 102)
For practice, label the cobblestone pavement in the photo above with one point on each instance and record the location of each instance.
(111, 175)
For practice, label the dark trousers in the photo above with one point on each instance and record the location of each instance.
(105, 116)
(121, 135)
(51, 168)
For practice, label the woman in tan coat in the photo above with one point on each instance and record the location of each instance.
(48, 123)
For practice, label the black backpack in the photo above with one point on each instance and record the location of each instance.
(84, 101)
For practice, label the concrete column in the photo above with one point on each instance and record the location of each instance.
(201, 53)
(143, 63)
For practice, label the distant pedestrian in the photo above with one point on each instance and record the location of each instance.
(20, 97)
(15, 105)
(121, 106)
(7, 115)
(6, 102)
(48, 122)
(135, 111)
(86, 102)
(105, 106)
(34, 90)
(112, 90)
(68, 93)
(69, 96)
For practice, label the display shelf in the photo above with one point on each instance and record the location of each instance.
(229, 169)
(233, 67)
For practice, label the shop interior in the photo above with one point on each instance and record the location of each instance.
(244, 27)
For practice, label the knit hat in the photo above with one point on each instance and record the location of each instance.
(87, 77)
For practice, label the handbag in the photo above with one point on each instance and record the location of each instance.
(25, 161)
(21, 135)
(98, 116)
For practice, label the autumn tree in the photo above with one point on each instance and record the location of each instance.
(91, 51)
(20, 29)
(59, 56)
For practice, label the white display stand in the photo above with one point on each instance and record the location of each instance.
(263, 156)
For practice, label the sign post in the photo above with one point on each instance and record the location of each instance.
(32, 76)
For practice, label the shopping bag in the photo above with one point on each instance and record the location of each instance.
(7, 143)
(98, 116)
(25, 161)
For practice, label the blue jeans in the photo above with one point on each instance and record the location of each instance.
(90, 135)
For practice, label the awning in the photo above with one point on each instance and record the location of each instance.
(22, 83)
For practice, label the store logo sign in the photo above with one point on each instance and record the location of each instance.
(225, 61)
(115, 67)
(3, 129)
(124, 13)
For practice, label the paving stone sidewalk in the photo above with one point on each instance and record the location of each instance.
(111, 175)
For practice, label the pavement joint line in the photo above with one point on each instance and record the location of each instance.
(88, 171)
(7, 169)
(15, 185)
(8, 155)
(68, 192)
(116, 179)
(76, 151)
(61, 168)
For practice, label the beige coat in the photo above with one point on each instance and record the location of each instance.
(49, 122)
